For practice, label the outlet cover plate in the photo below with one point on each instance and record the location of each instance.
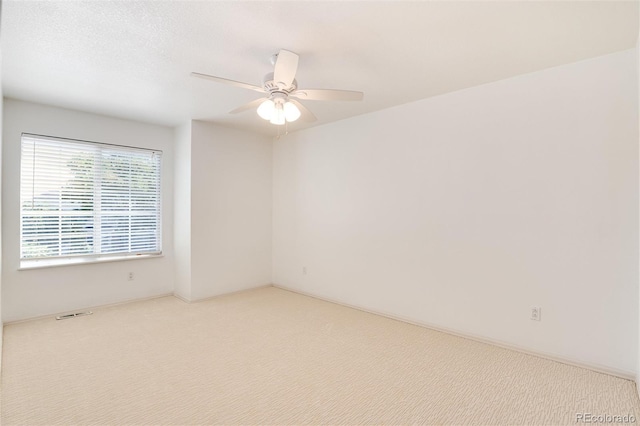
(536, 313)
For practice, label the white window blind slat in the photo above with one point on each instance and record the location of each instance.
(82, 198)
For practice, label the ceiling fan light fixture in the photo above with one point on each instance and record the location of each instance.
(278, 117)
(291, 112)
(278, 86)
(266, 109)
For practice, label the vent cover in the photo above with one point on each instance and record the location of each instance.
(77, 314)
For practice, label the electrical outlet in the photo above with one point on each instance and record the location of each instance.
(130, 276)
(536, 313)
(304, 270)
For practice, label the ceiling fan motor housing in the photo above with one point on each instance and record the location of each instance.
(270, 86)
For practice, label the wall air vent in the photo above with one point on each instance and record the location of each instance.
(77, 314)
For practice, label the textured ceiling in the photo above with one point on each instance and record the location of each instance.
(133, 59)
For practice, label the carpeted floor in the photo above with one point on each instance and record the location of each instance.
(270, 356)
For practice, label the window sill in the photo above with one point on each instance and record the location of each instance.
(52, 263)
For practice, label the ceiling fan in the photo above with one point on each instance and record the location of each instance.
(282, 104)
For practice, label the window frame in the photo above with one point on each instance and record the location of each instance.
(86, 258)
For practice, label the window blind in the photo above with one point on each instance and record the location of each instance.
(82, 198)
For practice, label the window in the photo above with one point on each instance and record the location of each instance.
(87, 201)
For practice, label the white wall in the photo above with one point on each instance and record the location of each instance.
(182, 210)
(638, 316)
(31, 293)
(230, 210)
(465, 210)
(1, 138)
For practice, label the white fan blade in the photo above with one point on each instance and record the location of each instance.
(285, 68)
(227, 81)
(305, 114)
(250, 105)
(328, 95)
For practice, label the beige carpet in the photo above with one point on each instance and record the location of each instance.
(270, 356)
